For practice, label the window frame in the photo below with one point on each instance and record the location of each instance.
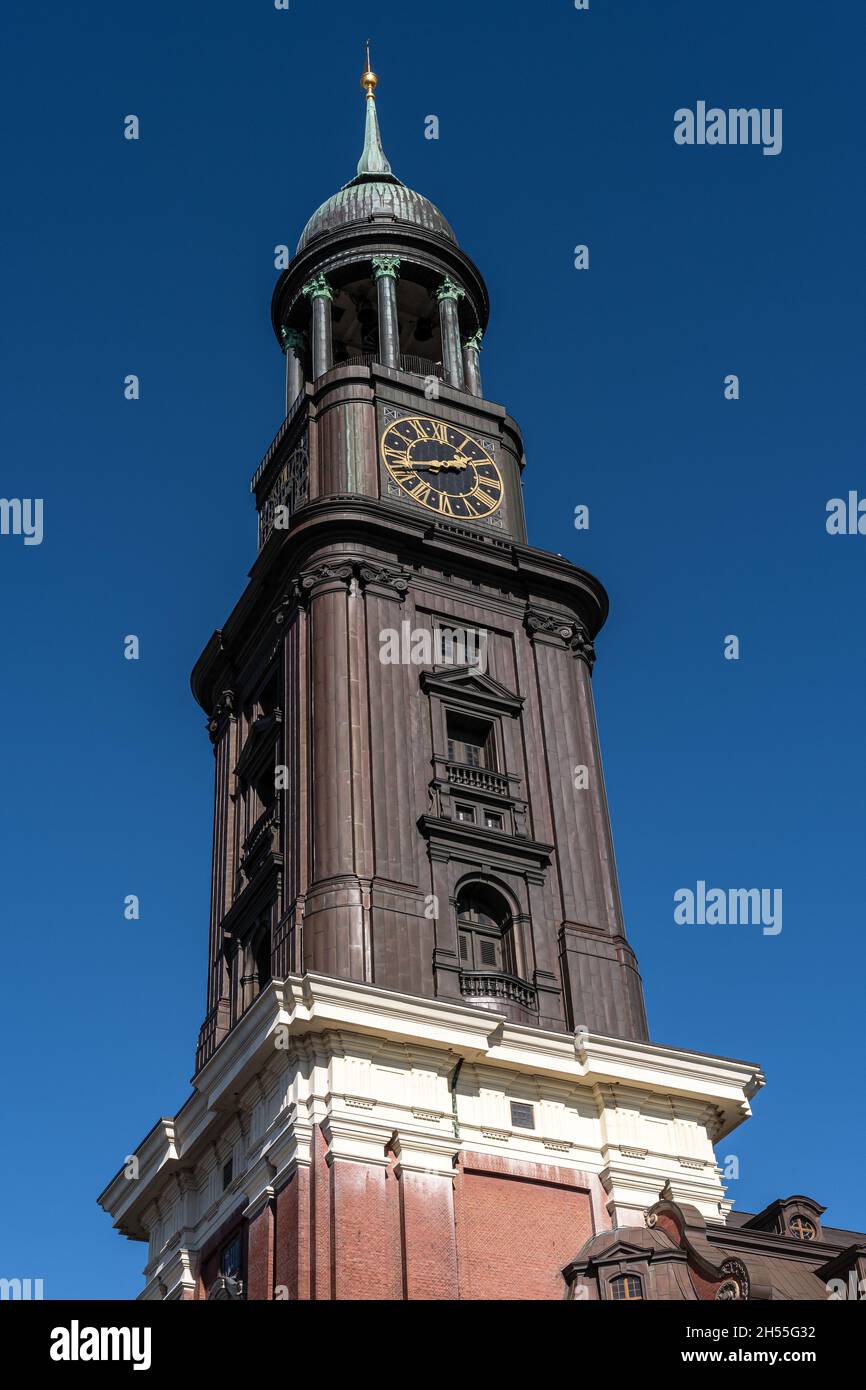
(489, 761)
(489, 931)
(625, 1279)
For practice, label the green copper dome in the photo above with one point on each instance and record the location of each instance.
(375, 192)
(364, 199)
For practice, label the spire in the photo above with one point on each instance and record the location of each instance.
(372, 161)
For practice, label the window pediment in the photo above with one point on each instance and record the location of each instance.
(466, 682)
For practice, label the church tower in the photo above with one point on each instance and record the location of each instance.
(424, 1054)
(421, 675)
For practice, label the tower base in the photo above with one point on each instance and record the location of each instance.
(348, 1142)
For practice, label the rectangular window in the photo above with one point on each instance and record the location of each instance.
(470, 741)
(230, 1256)
(228, 1171)
(466, 814)
(492, 820)
(522, 1115)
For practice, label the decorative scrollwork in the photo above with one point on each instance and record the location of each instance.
(318, 288)
(223, 709)
(736, 1274)
(309, 579)
(225, 1287)
(289, 492)
(388, 578)
(569, 631)
(386, 265)
(449, 289)
(292, 338)
(583, 647)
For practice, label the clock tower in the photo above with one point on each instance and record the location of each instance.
(424, 1047)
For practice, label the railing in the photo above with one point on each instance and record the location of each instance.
(262, 831)
(480, 984)
(277, 440)
(213, 1030)
(479, 779)
(421, 366)
(415, 366)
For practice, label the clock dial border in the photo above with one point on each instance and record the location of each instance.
(489, 486)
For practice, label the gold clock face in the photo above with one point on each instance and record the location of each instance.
(441, 467)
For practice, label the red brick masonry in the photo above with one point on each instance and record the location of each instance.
(348, 1230)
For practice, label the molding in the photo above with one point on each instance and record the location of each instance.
(450, 290)
(475, 844)
(386, 266)
(311, 1051)
(317, 288)
(311, 581)
(385, 580)
(559, 629)
(463, 681)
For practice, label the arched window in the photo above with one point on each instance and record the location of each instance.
(484, 931)
(626, 1288)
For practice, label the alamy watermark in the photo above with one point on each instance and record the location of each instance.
(443, 646)
(737, 126)
(22, 516)
(77, 1343)
(846, 516)
(720, 907)
(24, 1289)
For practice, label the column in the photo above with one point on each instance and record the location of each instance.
(425, 1171)
(320, 294)
(385, 272)
(472, 364)
(293, 347)
(448, 295)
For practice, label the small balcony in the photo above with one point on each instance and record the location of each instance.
(480, 779)
(488, 985)
(489, 792)
(260, 841)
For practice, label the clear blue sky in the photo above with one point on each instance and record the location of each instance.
(707, 516)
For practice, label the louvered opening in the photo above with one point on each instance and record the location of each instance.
(488, 953)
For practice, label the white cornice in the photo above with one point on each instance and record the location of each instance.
(315, 1007)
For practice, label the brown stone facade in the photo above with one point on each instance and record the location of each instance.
(351, 862)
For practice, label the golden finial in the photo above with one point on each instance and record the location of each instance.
(369, 80)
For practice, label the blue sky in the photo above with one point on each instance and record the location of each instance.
(706, 515)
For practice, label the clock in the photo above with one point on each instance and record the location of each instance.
(441, 467)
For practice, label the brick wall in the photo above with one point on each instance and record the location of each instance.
(501, 1229)
(517, 1225)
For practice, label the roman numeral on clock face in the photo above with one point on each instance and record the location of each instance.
(441, 467)
(438, 431)
(421, 492)
(476, 505)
